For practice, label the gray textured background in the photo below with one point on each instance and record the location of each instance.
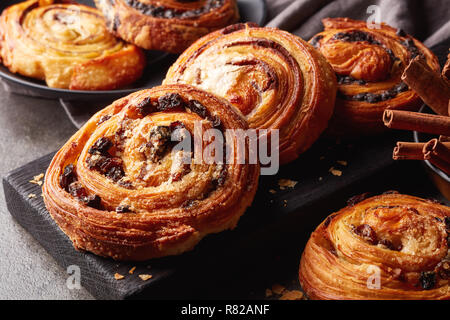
(29, 129)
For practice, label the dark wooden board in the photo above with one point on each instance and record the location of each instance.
(258, 228)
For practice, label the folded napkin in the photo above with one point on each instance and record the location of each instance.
(427, 20)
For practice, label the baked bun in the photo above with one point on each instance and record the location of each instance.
(67, 45)
(391, 246)
(119, 188)
(369, 64)
(167, 25)
(277, 80)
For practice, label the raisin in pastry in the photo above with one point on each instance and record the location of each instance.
(67, 45)
(166, 25)
(391, 246)
(369, 64)
(277, 80)
(122, 188)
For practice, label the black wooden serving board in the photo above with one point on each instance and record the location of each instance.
(262, 225)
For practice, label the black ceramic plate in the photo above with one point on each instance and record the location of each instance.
(157, 65)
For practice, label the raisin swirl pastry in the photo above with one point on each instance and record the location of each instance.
(369, 64)
(67, 45)
(167, 25)
(390, 246)
(277, 80)
(117, 189)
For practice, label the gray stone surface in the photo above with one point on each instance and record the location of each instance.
(29, 129)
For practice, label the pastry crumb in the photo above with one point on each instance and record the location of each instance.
(278, 288)
(132, 270)
(342, 162)
(335, 172)
(286, 183)
(292, 295)
(320, 178)
(272, 191)
(118, 276)
(145, 277)
(37, 179)
(269, 293)
(31, 195)
(322, 158)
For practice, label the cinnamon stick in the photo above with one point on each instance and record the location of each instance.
(438, 154)
(408, 151)
(444, 139)
(427, 123)
(446, 70)
(438, 162)
(414, 150)
(429, 85)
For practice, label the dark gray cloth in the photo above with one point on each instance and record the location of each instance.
(427, 20)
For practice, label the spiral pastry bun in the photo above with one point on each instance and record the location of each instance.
(277, 80)
(369, 64)
(67, 45)
(119, 188)
(387, 247)
(167, 25)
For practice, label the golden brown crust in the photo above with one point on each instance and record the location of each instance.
(167, 25)
(369, 64)
(400, 240)
(277, 80)
(67, 45)
(150, 205)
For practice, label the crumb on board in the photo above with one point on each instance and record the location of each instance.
(37, 179)
(272, 191)
(118, 276)
(335, 172)
(278, 288)
(292, 295)
(342, 162)
(145, 277)
(322, 158)
(31, 195)
(132, 270)
(269, 293)
(320, 178)
(286, 183)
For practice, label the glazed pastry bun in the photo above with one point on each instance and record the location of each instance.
(391, 246)
(369, 64)
(119, 188)
(67, 45)
(277, 80)
(167, 25)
